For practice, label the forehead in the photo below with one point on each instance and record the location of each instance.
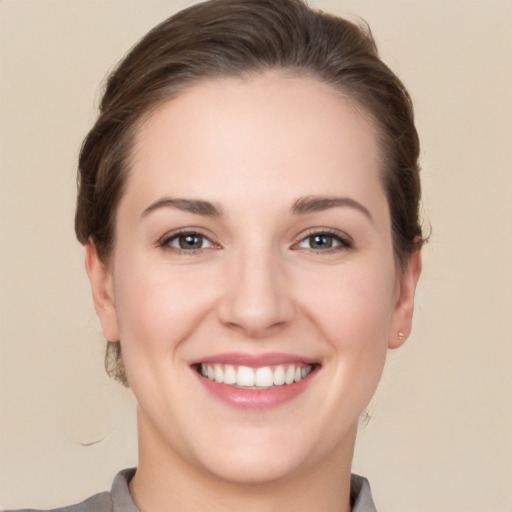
(242, 136)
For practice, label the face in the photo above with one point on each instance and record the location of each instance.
(252, 283)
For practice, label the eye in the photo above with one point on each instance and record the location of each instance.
(325, 241)
(187, 241)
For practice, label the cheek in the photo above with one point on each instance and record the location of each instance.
(155, 314)
(157, 307)
(355, 304)
(355, 319)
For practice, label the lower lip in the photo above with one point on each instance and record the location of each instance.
(256, 399)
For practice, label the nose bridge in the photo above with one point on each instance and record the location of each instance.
(256, 298)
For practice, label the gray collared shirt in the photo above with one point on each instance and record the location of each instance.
(119, 499)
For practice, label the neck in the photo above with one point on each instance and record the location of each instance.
(166, 481)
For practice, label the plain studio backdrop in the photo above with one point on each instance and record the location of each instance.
(440, 437)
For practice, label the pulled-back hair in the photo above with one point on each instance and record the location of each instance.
(235, 38)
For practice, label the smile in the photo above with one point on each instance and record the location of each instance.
(255, 378)
(256, 381)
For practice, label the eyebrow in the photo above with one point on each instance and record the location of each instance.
(196, 206)
(302, 206)
(312, 204)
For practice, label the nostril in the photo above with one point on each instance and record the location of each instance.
(256, 318)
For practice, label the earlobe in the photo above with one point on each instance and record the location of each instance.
(102, 289)
(402, 318)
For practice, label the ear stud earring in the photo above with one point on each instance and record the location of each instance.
(400, 335)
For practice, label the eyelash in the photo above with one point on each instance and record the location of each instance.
(165, 242)
(342, 241)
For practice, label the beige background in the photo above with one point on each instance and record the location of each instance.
(440, 437)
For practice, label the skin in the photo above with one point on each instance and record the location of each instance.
(258, 283)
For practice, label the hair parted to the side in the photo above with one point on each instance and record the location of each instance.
(235, 38)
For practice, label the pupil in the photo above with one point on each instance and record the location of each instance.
(190, 242)
(321, 241)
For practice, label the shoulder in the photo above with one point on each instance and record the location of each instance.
(101, 502)
(117, 500)
(361, 495)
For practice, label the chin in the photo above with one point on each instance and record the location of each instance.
(255, 467)
(269, 456)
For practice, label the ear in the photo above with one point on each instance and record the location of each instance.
(102, 288)
(404, 309)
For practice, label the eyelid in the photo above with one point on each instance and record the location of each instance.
(345, 240)
(164, 241)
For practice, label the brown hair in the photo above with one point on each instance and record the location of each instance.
(222, 38)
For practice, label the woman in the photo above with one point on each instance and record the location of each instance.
(248, 201)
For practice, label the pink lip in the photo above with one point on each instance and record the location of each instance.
(255, 399)
(255, 360)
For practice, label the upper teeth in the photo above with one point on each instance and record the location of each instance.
(264, 376)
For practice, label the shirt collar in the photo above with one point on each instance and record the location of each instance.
(122, 501)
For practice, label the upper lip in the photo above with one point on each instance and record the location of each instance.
(254, 360)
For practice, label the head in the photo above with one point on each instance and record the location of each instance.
(243, 49)
(235, 38)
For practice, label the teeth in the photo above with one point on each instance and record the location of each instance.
(229, 374)
(218, 373)
(279, 377)
(290, 374)
(245, 376)
(263, 377)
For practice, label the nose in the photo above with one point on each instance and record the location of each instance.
(257, 297)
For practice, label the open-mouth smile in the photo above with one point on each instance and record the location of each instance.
(255, 382)
(255, 378)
